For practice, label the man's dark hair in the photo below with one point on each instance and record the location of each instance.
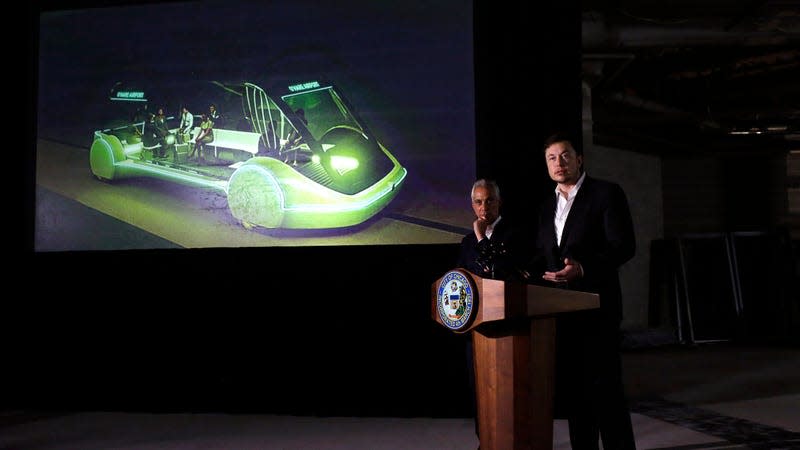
(563, 137)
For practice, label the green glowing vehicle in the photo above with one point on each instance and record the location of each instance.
(302, 160)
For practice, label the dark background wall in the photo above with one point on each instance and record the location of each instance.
(724, 192)
(339, 331)
(528, 85)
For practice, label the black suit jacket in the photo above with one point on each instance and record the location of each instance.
(598, 234)
(497, 257)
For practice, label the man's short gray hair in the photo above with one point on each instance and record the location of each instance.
(491, 185)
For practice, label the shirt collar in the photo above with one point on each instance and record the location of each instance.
(494, 224)
(574, 191)
(490, 228)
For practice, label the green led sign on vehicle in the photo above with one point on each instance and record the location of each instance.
(129, 96)
(304, 86)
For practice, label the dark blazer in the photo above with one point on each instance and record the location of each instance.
(598, 234)
(497, 257)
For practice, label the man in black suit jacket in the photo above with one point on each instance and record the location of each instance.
(584, 234)
(491, 249)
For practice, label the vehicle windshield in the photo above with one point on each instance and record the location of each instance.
(323, 110)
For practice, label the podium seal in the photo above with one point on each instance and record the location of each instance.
(457, 300)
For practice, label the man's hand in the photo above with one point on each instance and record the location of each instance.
(479, 227)
(572, 271)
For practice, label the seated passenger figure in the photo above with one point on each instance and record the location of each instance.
(187, 123)
(215, 116)
(206, 136)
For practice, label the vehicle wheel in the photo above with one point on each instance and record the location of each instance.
(105, 152)
(255, 198)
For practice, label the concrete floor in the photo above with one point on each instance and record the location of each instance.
(712, 396)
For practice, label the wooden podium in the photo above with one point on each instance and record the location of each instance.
(513, 330)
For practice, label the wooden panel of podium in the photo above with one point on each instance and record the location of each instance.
(513, 330)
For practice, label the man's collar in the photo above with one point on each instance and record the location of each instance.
(574, 191)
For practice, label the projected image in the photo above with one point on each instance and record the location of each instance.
(319, 169)
(288, 124)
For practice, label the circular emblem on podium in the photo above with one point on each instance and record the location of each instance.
(457, 300)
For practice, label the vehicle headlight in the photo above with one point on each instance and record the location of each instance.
(343, 164)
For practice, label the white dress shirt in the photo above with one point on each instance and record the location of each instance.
(564, 205)
(490, 228)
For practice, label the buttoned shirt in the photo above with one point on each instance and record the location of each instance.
(564, 205)
(490, 228)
